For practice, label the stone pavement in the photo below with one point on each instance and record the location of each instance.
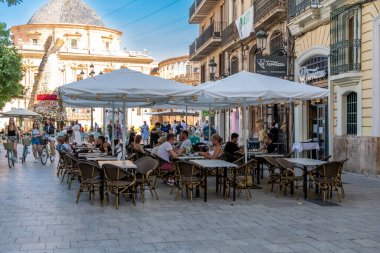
(38, 214)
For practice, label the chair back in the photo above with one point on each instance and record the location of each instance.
(289, 154)
(284, 164)
(185, 169)
(88, 170)
(138, 154)
(332, 169)
(72, 161)
(326, 158)
(113, 172)
(146, 164)
(242, 170)
(271, 161)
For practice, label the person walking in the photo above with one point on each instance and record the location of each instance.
(110, 130)
(145, 133)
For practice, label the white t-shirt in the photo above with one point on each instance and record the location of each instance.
(163, 151)
(186, 143)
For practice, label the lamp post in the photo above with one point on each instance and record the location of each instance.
(92, 72)
(261, 40)
(212, 68)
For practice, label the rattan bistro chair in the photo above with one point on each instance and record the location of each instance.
(291, 176)
(146, 167)
(274, 172)
(188, 177)
(72, 170)
(89, 179)
(119, 181)
(242, 179)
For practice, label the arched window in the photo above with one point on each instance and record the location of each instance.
(352, 113)
(276, 42)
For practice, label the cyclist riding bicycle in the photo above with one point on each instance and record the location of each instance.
(12, 132)
(48, 134)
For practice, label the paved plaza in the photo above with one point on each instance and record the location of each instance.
(38, 214)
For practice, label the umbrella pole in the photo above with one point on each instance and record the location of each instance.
(113, 128)
(209, 125)
(92, 118)
(124, 132)
(245, 134)
(104, 121)
(186, 117)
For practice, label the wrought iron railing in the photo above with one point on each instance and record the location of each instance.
(345, 45)
(296, 7)
(263, 7)
(194, 7)
(229, 34)
(213, 31)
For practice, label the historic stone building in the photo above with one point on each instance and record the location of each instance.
(180, 69)
(82, 46)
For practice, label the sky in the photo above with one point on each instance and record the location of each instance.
(160, 26)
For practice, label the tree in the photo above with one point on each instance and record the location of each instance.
(11, 2)
(10, 68)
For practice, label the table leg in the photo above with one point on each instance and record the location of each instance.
(101, 189)
(234, 183)
(258, 171)
(217, 180)
(305, 182)
(205, 190)
(224, 181)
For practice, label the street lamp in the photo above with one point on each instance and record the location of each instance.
(101, 73)
(81, 72)
(212, 67)
(92, 73)
(261, 40)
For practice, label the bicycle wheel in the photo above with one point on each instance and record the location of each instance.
(24, 154)
(11, 161)
(52, 159)
(44, 156)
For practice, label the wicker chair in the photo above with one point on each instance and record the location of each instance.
(242, 179)
(119, 181)
(72, 170)
(326, 158)
(339, 179)
(89, 180)
(187, 177)
(164, 175)
(60, 165)
(291, 176)
(328, 178)
(144, 178)
(274, 172)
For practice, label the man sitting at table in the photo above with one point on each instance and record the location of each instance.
(63, 145)
(103, 146)
(269, 146)
(165, 152)
(232, 147)
(185, 141)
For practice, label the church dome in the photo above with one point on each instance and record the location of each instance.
(66, 12)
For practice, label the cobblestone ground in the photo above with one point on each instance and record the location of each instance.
(38, 214)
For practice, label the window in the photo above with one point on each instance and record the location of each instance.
(352, 112)
(79, 77)
(276, 42)
(107, 45)
(241, 7)
(345, 39)
(203, 74)
(34, 41)
(74, 43)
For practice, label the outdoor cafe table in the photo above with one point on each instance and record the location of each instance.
(190, 157)
(122, 164)
(305, 163)
(101, 158)
(208, 164)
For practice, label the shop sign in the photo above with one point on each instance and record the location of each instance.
(272, 65)
(307, 75)
(244, 24)
(206, 113)
(44, 97)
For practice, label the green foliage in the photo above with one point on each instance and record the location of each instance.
(10, 69)
(11, 2)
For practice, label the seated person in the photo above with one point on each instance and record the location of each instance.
(161, 140)
(269, 146)
(185, 141)
(91, 139)
(63, 145)
(216, 150)
(137, 145)
(166, 152)
(231, 147)
(206, 132)
(103, 146)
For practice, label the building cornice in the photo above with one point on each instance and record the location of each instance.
(173, 59)
(54, 26)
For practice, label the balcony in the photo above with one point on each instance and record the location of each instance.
(207, 42)
(200, 9)
(267, 12)
(297, 8)
(229, 35)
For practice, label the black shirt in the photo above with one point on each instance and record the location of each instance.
(274, 131)
(271, 148)
(230, 150)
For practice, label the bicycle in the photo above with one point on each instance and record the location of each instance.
(46, 152)
(25, 151)
(8, 146)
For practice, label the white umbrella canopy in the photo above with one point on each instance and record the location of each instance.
(19, 112)
(247, 85)
(82, 103)
(127, 85)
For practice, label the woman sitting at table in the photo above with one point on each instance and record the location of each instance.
(269, 146)
(137, 145)
(216, 150)
(103, 146)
